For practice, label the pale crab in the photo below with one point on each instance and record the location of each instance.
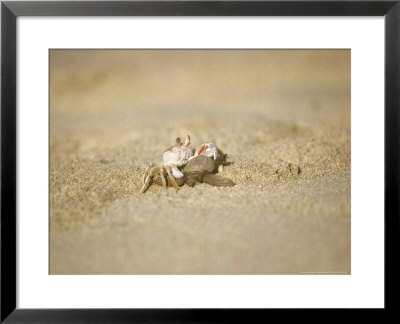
(176, 157)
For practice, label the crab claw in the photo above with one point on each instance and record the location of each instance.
(208, 149)
(176, 173)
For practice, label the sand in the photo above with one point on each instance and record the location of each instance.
(283, 118)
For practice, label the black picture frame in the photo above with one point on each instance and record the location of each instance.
(10, 10)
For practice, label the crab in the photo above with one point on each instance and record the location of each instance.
(176, 158)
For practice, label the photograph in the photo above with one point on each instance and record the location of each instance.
(199, 161)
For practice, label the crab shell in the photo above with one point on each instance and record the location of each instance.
(177, 156)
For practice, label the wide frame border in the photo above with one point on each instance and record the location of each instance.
(11, 10)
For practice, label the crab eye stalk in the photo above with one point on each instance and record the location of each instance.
(187, 140)
(178, 141)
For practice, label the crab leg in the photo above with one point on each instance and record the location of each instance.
(172, 177)
(162, 176)
(150, 174)
(147, 171)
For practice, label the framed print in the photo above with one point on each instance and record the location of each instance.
(208, 140)
(195, 161)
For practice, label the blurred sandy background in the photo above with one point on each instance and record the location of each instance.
(283, 118)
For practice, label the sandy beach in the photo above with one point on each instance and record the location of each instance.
(283, 118)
